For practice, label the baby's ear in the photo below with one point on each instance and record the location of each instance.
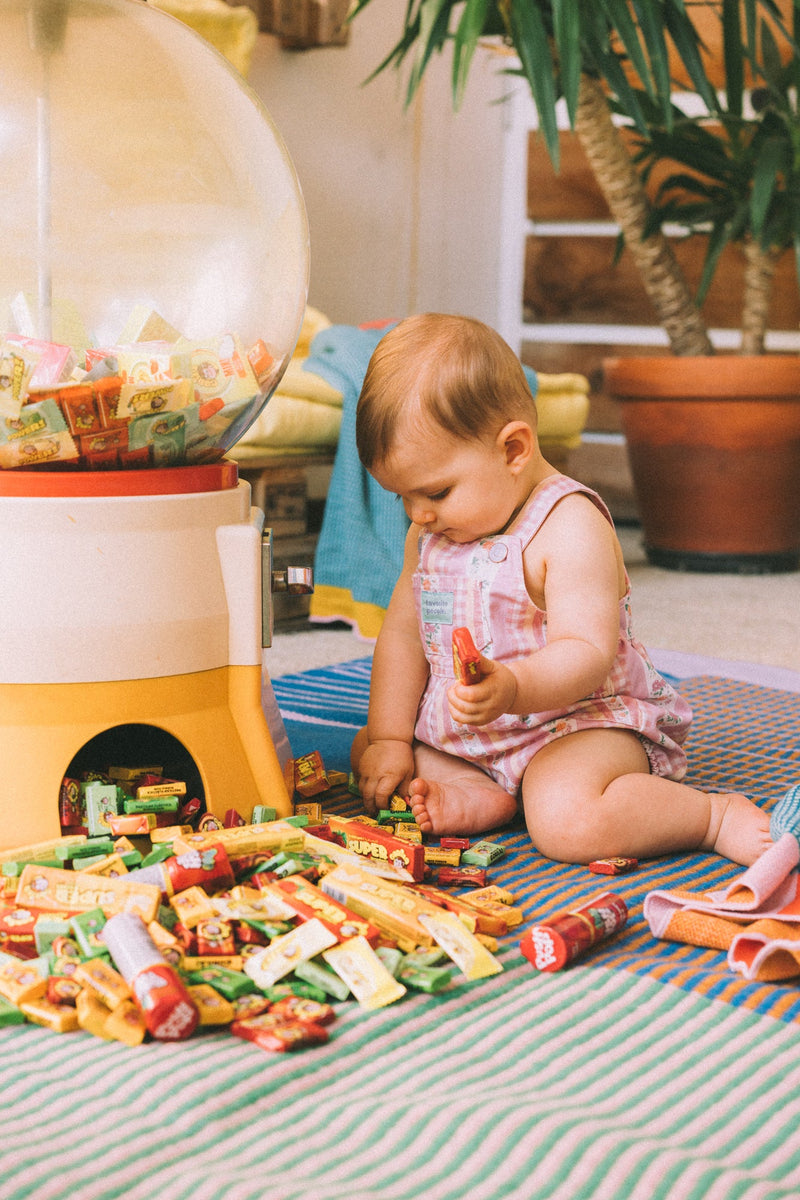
(518, 442)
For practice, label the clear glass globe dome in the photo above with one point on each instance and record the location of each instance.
(153, 239)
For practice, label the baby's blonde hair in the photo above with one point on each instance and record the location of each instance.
(452, 370)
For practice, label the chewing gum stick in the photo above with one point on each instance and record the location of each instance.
(208, 962)
(393, 908)
(469, 955)
(172, 787)
(283, 953)
(245, 839)
(41, 849)
(344, 857)
(509, 914)
(266, 905)
(454, 904)
(57, 890)
(309, 901)
(359, 966)
(373, 843)
(466, 659)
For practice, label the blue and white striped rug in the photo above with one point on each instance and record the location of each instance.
(643, 1073)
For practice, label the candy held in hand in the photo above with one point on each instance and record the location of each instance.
(466, 659)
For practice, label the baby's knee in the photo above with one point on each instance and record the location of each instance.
(561, 828)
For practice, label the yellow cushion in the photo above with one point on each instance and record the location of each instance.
(232, 30)
(562, 402)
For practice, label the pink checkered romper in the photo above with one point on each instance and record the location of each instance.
(481, 585)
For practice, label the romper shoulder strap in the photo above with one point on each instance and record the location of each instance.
(543, 500)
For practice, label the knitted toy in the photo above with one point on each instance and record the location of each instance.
(786, 815)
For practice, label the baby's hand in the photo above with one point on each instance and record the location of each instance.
(480, 703)
(385, 767)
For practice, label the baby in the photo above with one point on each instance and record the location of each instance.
(570, 719)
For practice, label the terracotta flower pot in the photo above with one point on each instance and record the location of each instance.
(714, 448)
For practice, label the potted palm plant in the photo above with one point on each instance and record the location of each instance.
(714, 442)
(735, 178)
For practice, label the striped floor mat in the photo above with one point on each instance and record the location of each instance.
(656, 1080)
(589, 1084)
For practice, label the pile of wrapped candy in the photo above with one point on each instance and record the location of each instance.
(260, 926)
(154, 398)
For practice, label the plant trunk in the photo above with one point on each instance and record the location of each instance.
(758, 274)
(619, 181)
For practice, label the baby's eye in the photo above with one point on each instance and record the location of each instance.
(440, 495)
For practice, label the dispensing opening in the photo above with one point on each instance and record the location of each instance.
(116, 755)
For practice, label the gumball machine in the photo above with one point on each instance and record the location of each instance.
(155, 263)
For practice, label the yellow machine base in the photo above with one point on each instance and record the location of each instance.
(216, 716)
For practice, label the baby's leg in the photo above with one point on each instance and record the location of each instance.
(451, 796)
(591, 795)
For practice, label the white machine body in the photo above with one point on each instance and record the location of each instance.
(97, 589)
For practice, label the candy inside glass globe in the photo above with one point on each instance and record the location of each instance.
(153, 239)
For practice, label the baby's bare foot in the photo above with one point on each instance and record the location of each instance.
(459, 808)
(738, 829)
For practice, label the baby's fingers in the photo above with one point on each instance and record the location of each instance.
(376, 792)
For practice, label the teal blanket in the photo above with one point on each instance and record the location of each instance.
(360, 545)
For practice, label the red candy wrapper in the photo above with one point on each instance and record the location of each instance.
(466, 876)
(556, 942)
(613, 866)
(466, 659)
(276, 1033)
(302, 1011)
(310, 777)
(208, 868)
(169, 1012)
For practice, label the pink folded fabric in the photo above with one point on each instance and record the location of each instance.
(769, 886)
(756, 919)
(767, 889)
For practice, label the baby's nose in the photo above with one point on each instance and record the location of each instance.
(420, 513)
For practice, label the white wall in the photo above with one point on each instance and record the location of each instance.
(403, 205)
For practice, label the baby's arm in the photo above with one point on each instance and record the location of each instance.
(574, 571)
(399, 675)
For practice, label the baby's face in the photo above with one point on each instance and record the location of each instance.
(460, 488)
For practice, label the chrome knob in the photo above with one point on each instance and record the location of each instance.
(298, 581)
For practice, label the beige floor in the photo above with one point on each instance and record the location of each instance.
(739, 618)
(746, 618)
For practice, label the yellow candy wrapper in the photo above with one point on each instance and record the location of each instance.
(358, 965)
(469, 955)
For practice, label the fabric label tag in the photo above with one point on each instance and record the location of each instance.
(437, 607)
